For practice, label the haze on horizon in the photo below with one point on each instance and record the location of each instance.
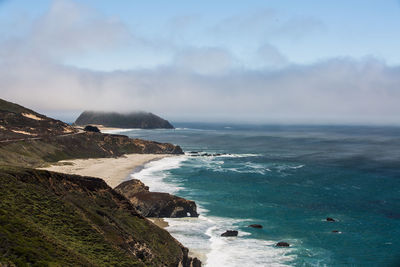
(237, 61)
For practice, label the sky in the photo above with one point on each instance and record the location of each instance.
(256, 61)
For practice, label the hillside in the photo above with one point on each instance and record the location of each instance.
(141, 120)
(53, 219)
(17, 122)
(30, 139)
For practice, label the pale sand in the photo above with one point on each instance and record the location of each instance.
(112, 170)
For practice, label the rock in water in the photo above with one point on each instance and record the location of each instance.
(230, 233)
(329, 219)
(256, 226)
(283, 244)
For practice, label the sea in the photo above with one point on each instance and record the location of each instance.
(289, 179)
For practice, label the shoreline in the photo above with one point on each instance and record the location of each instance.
(112, 170)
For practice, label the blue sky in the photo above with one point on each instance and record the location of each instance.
(142, 52)
(303, 31)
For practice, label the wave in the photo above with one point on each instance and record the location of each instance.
(220, 155)
(202, 235)
(154, 173)
(117, 131)
(223, 164)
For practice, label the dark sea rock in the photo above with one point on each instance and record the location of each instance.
(90, 128)
(230, 233)
(256, 226)
(329, 219)
(282, 244)
(155, 204)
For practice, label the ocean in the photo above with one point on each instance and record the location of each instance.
(288, 179)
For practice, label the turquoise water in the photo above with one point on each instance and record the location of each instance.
(289, 179)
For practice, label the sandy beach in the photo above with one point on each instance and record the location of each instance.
(112, 170)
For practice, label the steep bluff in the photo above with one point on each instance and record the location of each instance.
(156, 204)
(56, 219)
(141, 120)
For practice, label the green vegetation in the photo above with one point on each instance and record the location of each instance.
(35, 153)
(50, 219)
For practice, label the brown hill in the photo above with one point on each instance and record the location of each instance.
(17, 122)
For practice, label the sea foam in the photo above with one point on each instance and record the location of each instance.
(202, 235)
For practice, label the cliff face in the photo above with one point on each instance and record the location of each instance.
(67, 220)
(130, 120)
(17, 122)
(156, 204)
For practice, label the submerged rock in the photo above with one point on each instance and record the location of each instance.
(256, 226)
(282, 244)
(230, 233)
(329, 219)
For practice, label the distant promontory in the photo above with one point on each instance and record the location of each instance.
(143, 120)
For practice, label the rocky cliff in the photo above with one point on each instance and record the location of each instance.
(119, 120)
(67, 220)
(155, 204)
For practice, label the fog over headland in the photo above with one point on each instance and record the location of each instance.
(194, 83)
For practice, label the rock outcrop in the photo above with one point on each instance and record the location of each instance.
(141, 120)
(155, 204)
(90, 128)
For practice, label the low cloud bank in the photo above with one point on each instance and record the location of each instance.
(200, 83)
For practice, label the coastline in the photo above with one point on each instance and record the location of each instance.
(112, 170)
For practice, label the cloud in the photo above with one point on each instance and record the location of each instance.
(204, 60)
(266, 24)
(200, 83)
(269, 56)
(340, 90)
(66, 29)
